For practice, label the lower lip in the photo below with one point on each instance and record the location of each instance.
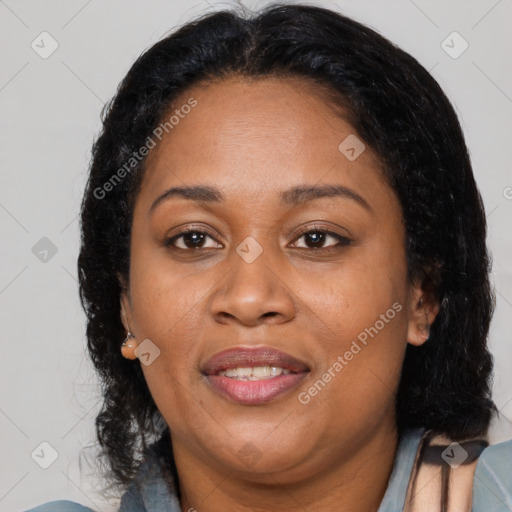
(254, 392)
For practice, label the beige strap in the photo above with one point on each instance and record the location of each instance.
(443, 473)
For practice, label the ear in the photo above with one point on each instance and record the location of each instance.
(423, 309)
(125, 311)
(125, 303)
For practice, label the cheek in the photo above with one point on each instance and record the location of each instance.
(361, 360)
(361, 308)
(350, 296)
(168, 308)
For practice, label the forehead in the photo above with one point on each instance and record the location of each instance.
(256, 136)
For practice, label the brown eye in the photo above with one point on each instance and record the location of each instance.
(189, 239)
(316, 239)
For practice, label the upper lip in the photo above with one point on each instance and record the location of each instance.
(243, 357)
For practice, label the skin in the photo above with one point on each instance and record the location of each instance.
(252, 139)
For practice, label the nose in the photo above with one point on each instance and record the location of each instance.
(253, 293)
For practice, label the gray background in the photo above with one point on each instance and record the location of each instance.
(50, 114)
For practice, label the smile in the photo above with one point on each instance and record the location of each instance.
(254, 375)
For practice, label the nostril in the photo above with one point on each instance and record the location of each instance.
(223, 314)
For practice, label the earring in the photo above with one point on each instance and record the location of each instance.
(128, 350)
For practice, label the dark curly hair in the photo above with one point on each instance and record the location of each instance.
(398, 109)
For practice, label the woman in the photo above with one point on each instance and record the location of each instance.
(284, 270)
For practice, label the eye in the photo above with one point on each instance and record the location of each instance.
(316, 237)
(190, 238)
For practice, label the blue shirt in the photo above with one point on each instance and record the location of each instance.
(492, 487)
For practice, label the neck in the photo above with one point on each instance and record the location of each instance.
(354, 483)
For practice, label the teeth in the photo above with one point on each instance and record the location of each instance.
(254, 373)
(243, 372)
(261, 371)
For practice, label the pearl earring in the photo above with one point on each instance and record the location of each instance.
(128, 350)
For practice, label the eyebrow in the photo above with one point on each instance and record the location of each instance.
(292, 197)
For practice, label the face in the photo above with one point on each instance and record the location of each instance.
(294, 260)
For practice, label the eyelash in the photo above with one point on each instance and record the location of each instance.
(342, 240)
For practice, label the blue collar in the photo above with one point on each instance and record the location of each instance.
(394, 498)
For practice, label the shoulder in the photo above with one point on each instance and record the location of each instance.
(492, 487)
(60, 506)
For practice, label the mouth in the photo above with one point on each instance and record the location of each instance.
(254, 375)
